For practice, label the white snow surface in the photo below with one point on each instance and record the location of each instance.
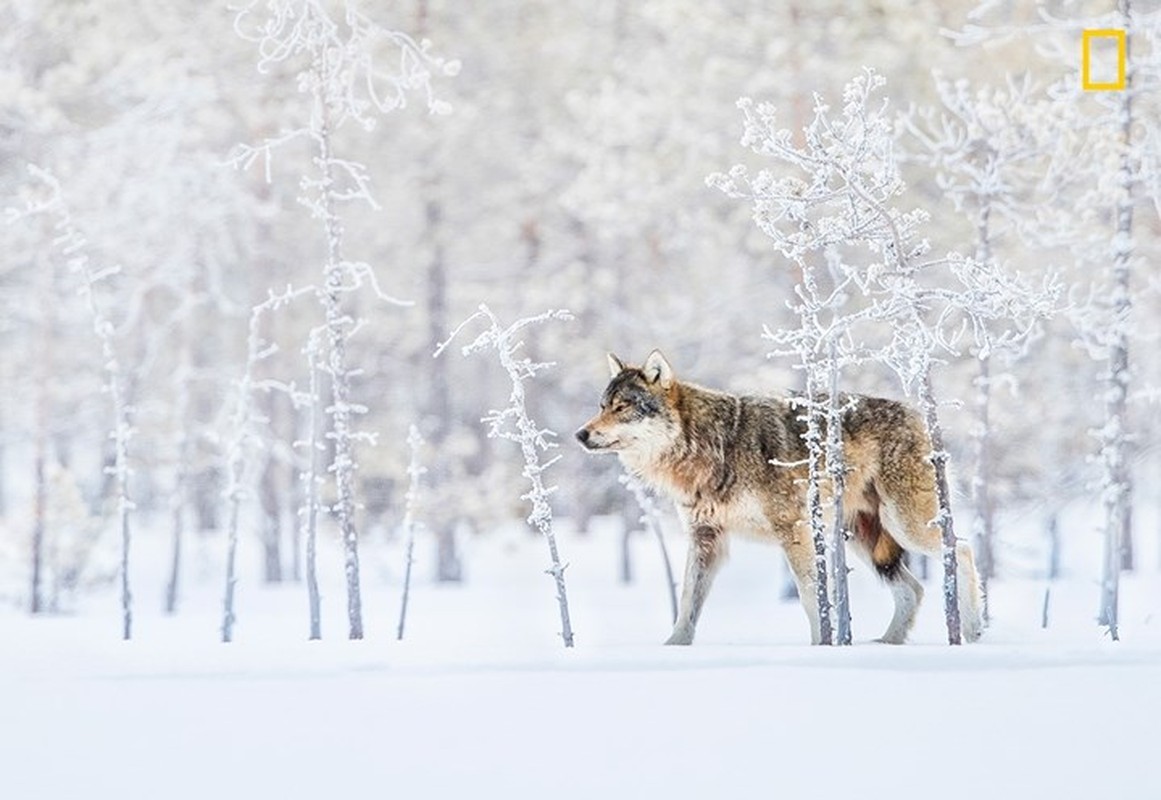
(482, 701)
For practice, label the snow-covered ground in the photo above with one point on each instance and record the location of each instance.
(481, 700)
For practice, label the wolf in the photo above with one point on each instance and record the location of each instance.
(733, 465)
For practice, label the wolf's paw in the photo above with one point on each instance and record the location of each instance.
(887, 638)
(972, 631)
(680, 637)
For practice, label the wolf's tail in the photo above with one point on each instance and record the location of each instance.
(867, 526)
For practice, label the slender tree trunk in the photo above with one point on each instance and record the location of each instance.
(1114, 437)
(836, 467)
(814, 510)
(36, 600)
(207, 499)
(983, 513)
(943, 496)
(297, 501)
(1053, 531)
(126, 592)
(410, 560)
(449, 566)
(541, 516)
(651, 519)
(414, 472)
(448, 563)
(43, 415)
(172, 585)
(183, 455)
(271, 502)
(626, 549)
(983, 516)
(228, 617)
(556, 570)
(308, 515)
(337, 325)
(237, 458)
(1128, 557)
(121, 432)
(670, 580)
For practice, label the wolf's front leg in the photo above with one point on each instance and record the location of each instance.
(800, 557)
(707, 550)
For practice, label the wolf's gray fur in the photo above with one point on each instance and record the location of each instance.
(722, 458)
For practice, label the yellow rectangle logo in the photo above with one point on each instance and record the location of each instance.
(1086, 42)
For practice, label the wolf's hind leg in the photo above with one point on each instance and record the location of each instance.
(971, 621)
(915, 534)
(707, 551)
(908, 594)
(875, 546)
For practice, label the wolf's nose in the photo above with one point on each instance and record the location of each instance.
(582, 435)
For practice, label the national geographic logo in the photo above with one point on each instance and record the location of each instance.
(1097, 58)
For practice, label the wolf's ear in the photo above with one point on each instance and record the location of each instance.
(657, 370)
(615, 366)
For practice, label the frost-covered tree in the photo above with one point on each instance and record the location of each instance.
(1112, 334)
(1105, 164)
(810, 219)
(132, 133)
(514, 423)
(244, 438)
(310, 480)
(987, 148)
(841, 193)
(72, 245)
(344, 73)
(823, 344)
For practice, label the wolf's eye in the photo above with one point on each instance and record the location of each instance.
(620, 406)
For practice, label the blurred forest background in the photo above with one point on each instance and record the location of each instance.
(570, 173)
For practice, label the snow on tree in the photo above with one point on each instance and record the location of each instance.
(808, 221)
(310, 479)
(72, 245)
(513, 423)
(987, 148)
(842, 196)
(347, 83)
(823, 345)
(244, 438)
(1114, 334)
(1104, 165)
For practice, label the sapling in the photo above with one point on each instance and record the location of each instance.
(514, 423)
(415, 472)
(243, 438)
(72, 245)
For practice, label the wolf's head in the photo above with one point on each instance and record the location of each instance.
(637, 417)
